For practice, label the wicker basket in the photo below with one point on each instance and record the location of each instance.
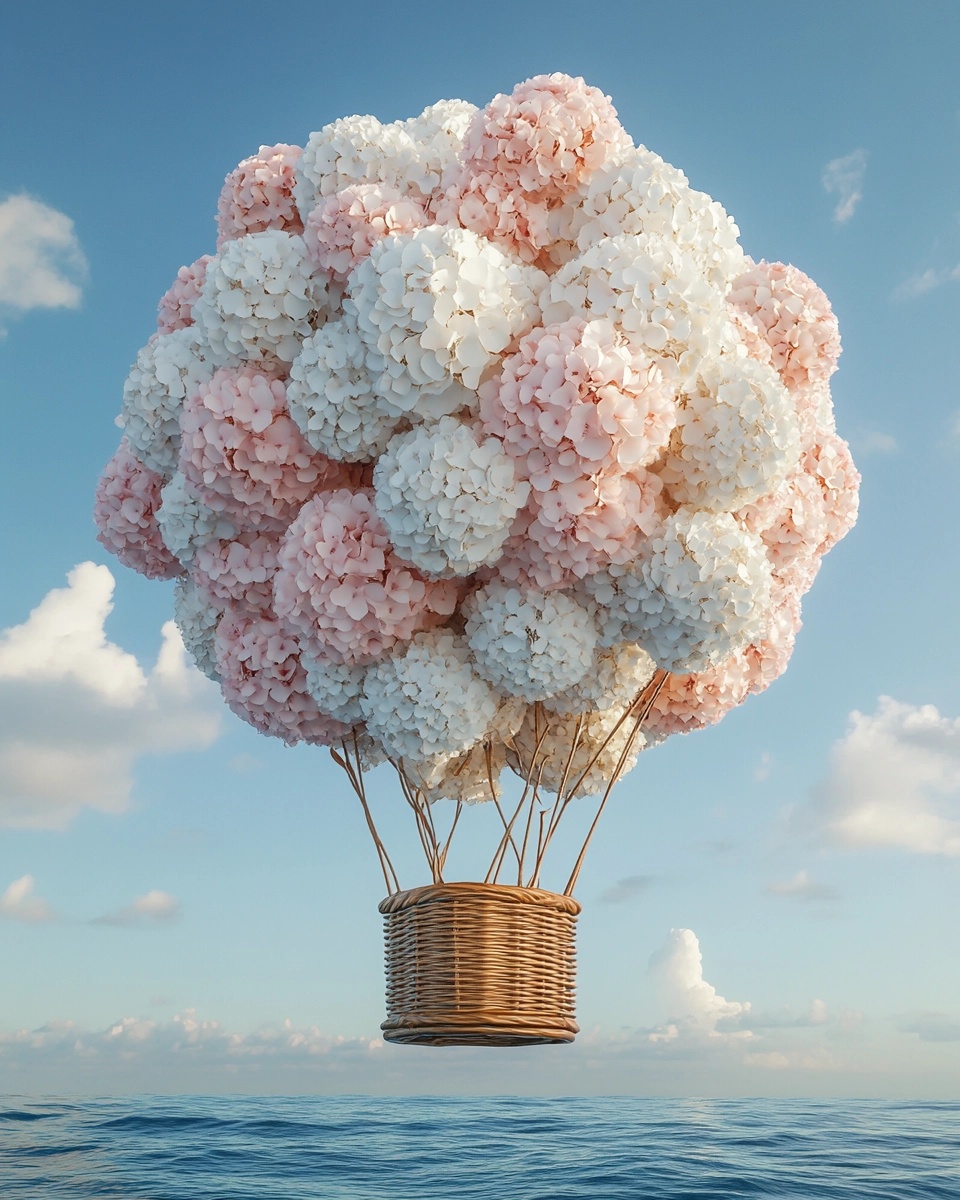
(476, 964)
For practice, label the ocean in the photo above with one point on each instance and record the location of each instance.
(501, 1148)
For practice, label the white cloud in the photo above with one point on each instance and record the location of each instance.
(696, 1010)
(77, 711)
(151, 909)
(802, 887)
(894, 781)
(843, 177)
(41, 263)
(19, 903)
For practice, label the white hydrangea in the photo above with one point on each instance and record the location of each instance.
(426, 699)
(261, 297)
(438, 134)
(167, 370)
(653, 291)
(618, 675)
(336, 687)
(471, 778)
(185, 522)
(736, 438)
(332, 397)
(448, 495)
(197, 618)
(528, 643)
(640, 193)
(350, 151)
(699, 594)
(543, 744)
(442, 303)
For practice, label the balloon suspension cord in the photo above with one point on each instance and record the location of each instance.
(530, 850)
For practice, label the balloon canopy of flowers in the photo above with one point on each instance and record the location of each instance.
(478, 441)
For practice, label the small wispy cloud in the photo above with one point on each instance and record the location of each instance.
(932, 1026)
(41, 262)
(626, 889)
(152, 909)
(801, 887)
(843, 177)
(19, 903)
(926, 281)
(876, 442)
(761, 772)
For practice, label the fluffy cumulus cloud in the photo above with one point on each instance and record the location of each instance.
(696, 1009)
(19, 902)
(843, 178)
(894, 782)
(41, 262)
(77, 711)
(151, 909)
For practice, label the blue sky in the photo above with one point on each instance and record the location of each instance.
(234, 888)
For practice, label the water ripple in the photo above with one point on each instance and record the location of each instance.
(364, 1148)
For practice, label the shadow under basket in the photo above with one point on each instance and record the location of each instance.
(479, 964)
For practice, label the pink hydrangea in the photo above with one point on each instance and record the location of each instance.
(767, 659)
(786, 321)
(577, 400)
(341, 586)
(240, 569)
(577, 528)
(689, 702)
(830, 463)
(264, 682)
(125, 512)
(581, 411)
(811, 511)
(343, 228)
(258, 195)
(175, 310)
(244, 455)
(525, 153)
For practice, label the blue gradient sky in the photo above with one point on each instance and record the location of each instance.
(125, 119)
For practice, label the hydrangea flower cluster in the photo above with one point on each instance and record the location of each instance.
(471, 423)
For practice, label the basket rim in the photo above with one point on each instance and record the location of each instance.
(501, 893)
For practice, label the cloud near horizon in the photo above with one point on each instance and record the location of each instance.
(894, 782)
(77, 711)
(696, 1009)
(41, 262)
(843, 177)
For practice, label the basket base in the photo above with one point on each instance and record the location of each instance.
(477, 1029)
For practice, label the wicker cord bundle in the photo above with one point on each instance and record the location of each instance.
(479, 964)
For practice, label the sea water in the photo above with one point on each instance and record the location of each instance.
(501, 1148)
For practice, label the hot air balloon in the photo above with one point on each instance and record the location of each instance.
(480, 447)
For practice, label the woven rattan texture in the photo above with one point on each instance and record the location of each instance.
(472, 964)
